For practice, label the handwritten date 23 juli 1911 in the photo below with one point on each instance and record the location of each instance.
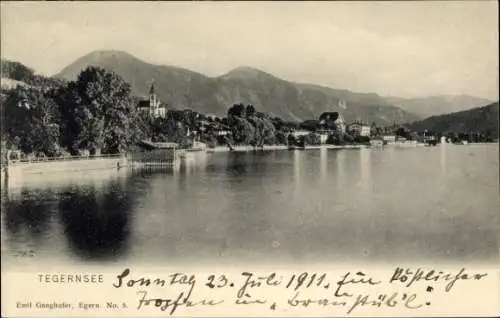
(294, 282)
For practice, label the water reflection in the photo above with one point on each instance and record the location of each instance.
(192, 163)
(236, 164)
(341, 163)
(442, 146)
(365, 169)
(96, 222)
(323, 155)
(93, 218)
(268, 207)
(249, 164)
(28, 213)
(297, 165)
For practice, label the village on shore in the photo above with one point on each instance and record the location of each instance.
(96, 115)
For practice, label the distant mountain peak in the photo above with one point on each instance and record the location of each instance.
(107, 59)
(246, 71)
(109, 53)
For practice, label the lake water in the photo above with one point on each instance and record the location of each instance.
(395, 204)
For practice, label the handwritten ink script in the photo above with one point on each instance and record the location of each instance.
(405, 288)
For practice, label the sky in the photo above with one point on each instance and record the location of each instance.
(402, 49)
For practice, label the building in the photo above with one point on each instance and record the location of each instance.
(222, 132)
(332, 121)
(358, 128)
(214, 128)
(154, 153)
(323, 138)
(152, 106)
(300, 133)
(389, 138)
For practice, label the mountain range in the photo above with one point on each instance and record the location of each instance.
(182, 88)
(480, 119)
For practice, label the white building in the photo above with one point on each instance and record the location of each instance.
(299, 133)
(359, 129)
(389, 138)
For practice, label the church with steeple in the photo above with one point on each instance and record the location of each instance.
(152, 106)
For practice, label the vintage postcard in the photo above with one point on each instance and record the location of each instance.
(248, 159)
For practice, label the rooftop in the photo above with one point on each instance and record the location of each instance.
(149, 145)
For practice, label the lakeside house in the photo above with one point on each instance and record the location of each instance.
(389, 138)
(152, 107)
(328, 123)
(222, 132)
(358, 128)
(215, 128)
(299, 133)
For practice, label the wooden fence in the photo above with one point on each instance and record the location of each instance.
(61, 159)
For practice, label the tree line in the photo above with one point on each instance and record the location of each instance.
(96, 114)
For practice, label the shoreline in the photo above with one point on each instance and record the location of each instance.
(281, 147)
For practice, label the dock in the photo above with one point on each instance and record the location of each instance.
(155, 154)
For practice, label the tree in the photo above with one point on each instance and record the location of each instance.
(16, 71)
(328, 120)
(362, 139)
(312, 139)
(348, 138)
(292, 141)
(98, 112)
(268, 132)
(277, 122)
(250, 110)
(336, 138)
(310, 125)
(173, 128)
(280, 138)
(237, 110)
(31, 121)
(375, 130)
(251, 127)
(402, 132)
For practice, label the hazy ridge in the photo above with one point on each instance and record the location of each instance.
(181, 88)
(480, 119)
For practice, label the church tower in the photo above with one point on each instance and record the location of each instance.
(153, 104)
(152, 96)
